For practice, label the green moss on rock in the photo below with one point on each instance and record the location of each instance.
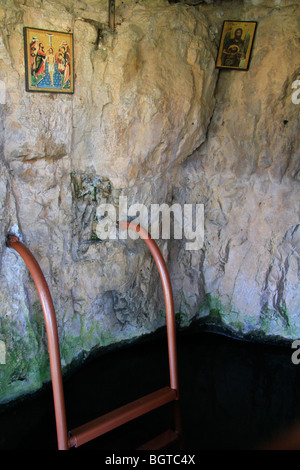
(26, 365)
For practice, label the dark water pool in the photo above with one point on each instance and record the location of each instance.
(235, 395)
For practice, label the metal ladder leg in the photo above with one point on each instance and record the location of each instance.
(52, 336)
(116, 418)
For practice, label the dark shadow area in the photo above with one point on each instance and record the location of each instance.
(235, 395)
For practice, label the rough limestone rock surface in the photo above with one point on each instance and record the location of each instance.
(247, 175)
(153, 121)
(137, 112)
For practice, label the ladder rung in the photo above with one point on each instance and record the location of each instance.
(122, 415)
(161, 441)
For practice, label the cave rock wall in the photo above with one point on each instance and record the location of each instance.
(152, 121)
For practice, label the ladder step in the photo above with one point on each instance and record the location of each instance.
(161, 441)
(122, 415)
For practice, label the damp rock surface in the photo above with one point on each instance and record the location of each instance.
(152, 120)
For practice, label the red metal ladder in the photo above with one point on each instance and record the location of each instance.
(99, 426)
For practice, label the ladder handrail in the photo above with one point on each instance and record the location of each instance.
(168, 297)
(64, 440)
(52, 336)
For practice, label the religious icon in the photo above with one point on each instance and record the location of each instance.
(236, 45)
(49, 63)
